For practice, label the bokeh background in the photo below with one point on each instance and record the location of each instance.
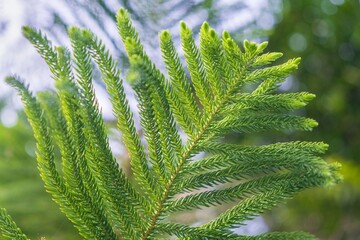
(324, 33)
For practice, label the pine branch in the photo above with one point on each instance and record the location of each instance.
(77, 175)
(183, 101)
(103, 163)
(195, 66)
(217, 197)
(8, 227)
(54, 184)
(94, 192)
(155, 87)
(213, 59)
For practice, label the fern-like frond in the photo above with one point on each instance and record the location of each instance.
(54, 183)
(8, 227)
(183, 100)
(230, 89)
(195, 67)
(77, 175)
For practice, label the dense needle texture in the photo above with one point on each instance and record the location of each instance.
(223, 89)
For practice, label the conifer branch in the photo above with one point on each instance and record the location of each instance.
(121, 109)
(195, 66)
(8, 227)
(94, 192)
(183, 100)
(54, 184)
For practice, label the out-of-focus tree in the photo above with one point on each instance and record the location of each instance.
(326, 34)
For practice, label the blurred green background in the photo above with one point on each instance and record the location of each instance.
(324, 33)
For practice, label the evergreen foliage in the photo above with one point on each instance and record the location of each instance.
(231, 90)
